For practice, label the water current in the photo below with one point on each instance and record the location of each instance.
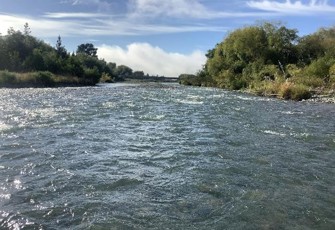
(164, 156)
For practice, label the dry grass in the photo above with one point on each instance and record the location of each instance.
(38, 79)
(297, 92)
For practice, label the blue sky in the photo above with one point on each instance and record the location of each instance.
(164, 37)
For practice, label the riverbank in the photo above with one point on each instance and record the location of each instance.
(324, 97)
(40, 79)
(297, 89)
(304, 94)
(330, 98)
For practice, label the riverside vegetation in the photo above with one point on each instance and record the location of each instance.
(270, 59)
(26, 61)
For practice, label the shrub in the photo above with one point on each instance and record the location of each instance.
(319, 68)
(332, 77)
(106, 78)
(44, 79)
(294, 92)
(272, 88)
(25, 79)
(91, 75)
(7, 78)
(332, 70)
(293, 70)
(66, 80)
(332, 82)
(310, 81)
(269, 72)
(189, 79)
(237, 83)
(35, 79)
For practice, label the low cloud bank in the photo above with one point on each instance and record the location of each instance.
(153, 60)
(293, 7)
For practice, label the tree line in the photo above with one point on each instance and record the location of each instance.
(28, 61)
(271, 59)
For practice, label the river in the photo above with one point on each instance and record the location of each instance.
(164, 156)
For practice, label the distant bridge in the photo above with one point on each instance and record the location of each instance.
(152, 79)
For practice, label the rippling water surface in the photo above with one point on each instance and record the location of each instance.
(164, 157)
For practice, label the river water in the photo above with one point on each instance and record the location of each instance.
(164, 156)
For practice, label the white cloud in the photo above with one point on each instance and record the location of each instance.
(93, 24)
(153, 60)
(175, 8)
(180, 9)
(293, 7)
(60, 15)
(101, 4)
(143, 18)
(44, 27)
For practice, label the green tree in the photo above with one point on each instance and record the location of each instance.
(281, 43)
(87, 49)
(60, 49)
(3, 53)
(328, 36)
(309, 48)
(139, 74)
(35, 61)
(245, 45)
(17, 47)
(123, 71)
(26, 30)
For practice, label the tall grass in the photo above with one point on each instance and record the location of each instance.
(282, 89)
(38, 79)
(7, 78)
(32, 79)
(293, 91)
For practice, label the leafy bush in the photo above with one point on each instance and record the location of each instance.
(294, 92)
(66, 80)
(293, 70)
(33, 79)
(332, 73)
(237, 83)
(44, 78)
(332, 70)
(106, 78)
(269, 72)
(266, 88)
(319, 68)
(189, 79)
(7, 78)
(91, 75)
(309, 81)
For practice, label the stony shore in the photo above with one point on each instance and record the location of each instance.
(323, 99)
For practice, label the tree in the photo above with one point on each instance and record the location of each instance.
(123, 71)
(87, 49)
(35, 61)
(328, 38)
(240, 48)
(26, 30)
(245, 45)
(310, 47)
(61, 51)
(139, 74)
(281, 43)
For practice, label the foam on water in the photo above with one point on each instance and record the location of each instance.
(274, 133)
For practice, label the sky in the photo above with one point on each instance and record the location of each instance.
(159, 37)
